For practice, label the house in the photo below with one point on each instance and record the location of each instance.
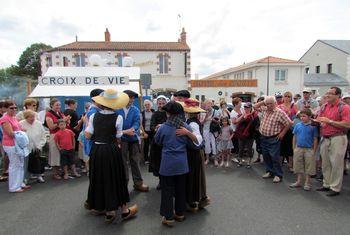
(249, 80)
(327, 64)
(169, 63)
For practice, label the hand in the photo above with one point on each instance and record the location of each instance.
(280, 136)
(182, 131)
(145, 135)
(323, 120)
(130, 132)
(158, 126)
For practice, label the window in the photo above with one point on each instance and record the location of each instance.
(280, 75)
(65, 61)
(49, 60)
(329, 68)
(120, 60)
(202, 98)
(250, 74)
(163, 64)
(307, 70)
(197, 97)
(80, 60)
(317, 69)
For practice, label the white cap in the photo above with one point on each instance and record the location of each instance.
(308, 90)
(346, 95)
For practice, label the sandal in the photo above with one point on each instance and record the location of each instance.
(18, 191)
(26, 187)
(110, 218)
(132, 212)
(56, 177)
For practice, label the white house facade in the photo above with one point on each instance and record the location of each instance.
(265, 76)
(327, 64)
(169, 63)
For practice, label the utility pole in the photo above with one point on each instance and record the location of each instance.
(268, 75)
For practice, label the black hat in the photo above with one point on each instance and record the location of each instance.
(96, 92)
(182, 93)
(173, 107)
(131, 93)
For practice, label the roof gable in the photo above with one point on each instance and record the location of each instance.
(342, 45)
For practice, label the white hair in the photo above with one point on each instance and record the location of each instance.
(147, 101)
(271, 98)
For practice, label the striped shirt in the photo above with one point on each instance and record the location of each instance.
(273, 122)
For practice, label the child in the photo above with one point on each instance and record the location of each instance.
(305, 145)
(82, 155)
(225, 143)
(65, 142)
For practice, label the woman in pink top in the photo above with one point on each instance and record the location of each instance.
(9, 126)
(51, 120)
(287, 142)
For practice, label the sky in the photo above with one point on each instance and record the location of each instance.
(221, 33)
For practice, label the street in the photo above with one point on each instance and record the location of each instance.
(242, 203)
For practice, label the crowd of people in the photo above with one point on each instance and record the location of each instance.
(176, 137)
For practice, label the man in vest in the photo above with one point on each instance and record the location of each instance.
(335, 120)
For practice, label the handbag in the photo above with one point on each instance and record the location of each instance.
(36, 165)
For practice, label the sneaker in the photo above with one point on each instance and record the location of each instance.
(295, 185)
(307, 187)
(227, 164)
(267, 175)
(276, 179)
(235, 160)
(40, 179)
(216, 163)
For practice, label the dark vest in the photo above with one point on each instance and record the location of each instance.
(104, 128)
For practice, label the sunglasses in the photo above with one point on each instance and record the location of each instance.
(12, 107)
(287, 96)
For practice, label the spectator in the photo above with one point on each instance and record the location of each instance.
(279, 98)
(37, 139)
(237, 112)
(10, 125)
(296, 98)
(307, 102)
(210, 136)
(305, 146)
(287, 142)
(130, 141)
(223, 110)
(335, 120)
(28, 103)
(274, 125)
(146, 116)
(51, 120)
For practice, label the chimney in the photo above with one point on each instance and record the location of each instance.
(107, 36)
(183, 36)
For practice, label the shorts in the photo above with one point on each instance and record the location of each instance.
(67, 157)
(304, 161)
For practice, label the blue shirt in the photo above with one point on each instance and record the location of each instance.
(132, 120)
(87, 143)
(305, 135)
(174, 150)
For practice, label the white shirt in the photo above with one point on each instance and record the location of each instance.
(210, 116)
(118, 123)
(234, 115)
(195, 130)
(36, 134)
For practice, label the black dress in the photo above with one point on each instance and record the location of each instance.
(287, 145)
(194, 176)
(108, 186)
(158, 117)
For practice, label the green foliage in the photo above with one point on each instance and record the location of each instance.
(29, 61)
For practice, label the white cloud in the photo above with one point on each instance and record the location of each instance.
(221, 33)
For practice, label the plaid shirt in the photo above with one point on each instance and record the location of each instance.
(273, 122)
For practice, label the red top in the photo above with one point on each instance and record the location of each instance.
(8, 140)
(332, 112)
(64, 139)
(291, 112)
(54, 119)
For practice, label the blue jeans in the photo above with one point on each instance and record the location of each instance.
(271, 153)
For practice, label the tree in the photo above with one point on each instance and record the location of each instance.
(29, 61)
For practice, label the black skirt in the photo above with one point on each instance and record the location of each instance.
(287, 145)
(193, 182)
(155, 158)
(108, 188)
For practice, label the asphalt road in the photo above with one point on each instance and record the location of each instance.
(243, 203)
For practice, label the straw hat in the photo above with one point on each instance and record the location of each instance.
(112, 99)
(191, 105)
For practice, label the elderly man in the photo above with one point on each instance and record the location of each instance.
(335, 121)
(307, 102)
(274, 125)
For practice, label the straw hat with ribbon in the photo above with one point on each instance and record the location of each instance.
(112, 99)
(191, 105)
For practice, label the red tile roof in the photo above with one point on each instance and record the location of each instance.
(123, 46)
(269, 59)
